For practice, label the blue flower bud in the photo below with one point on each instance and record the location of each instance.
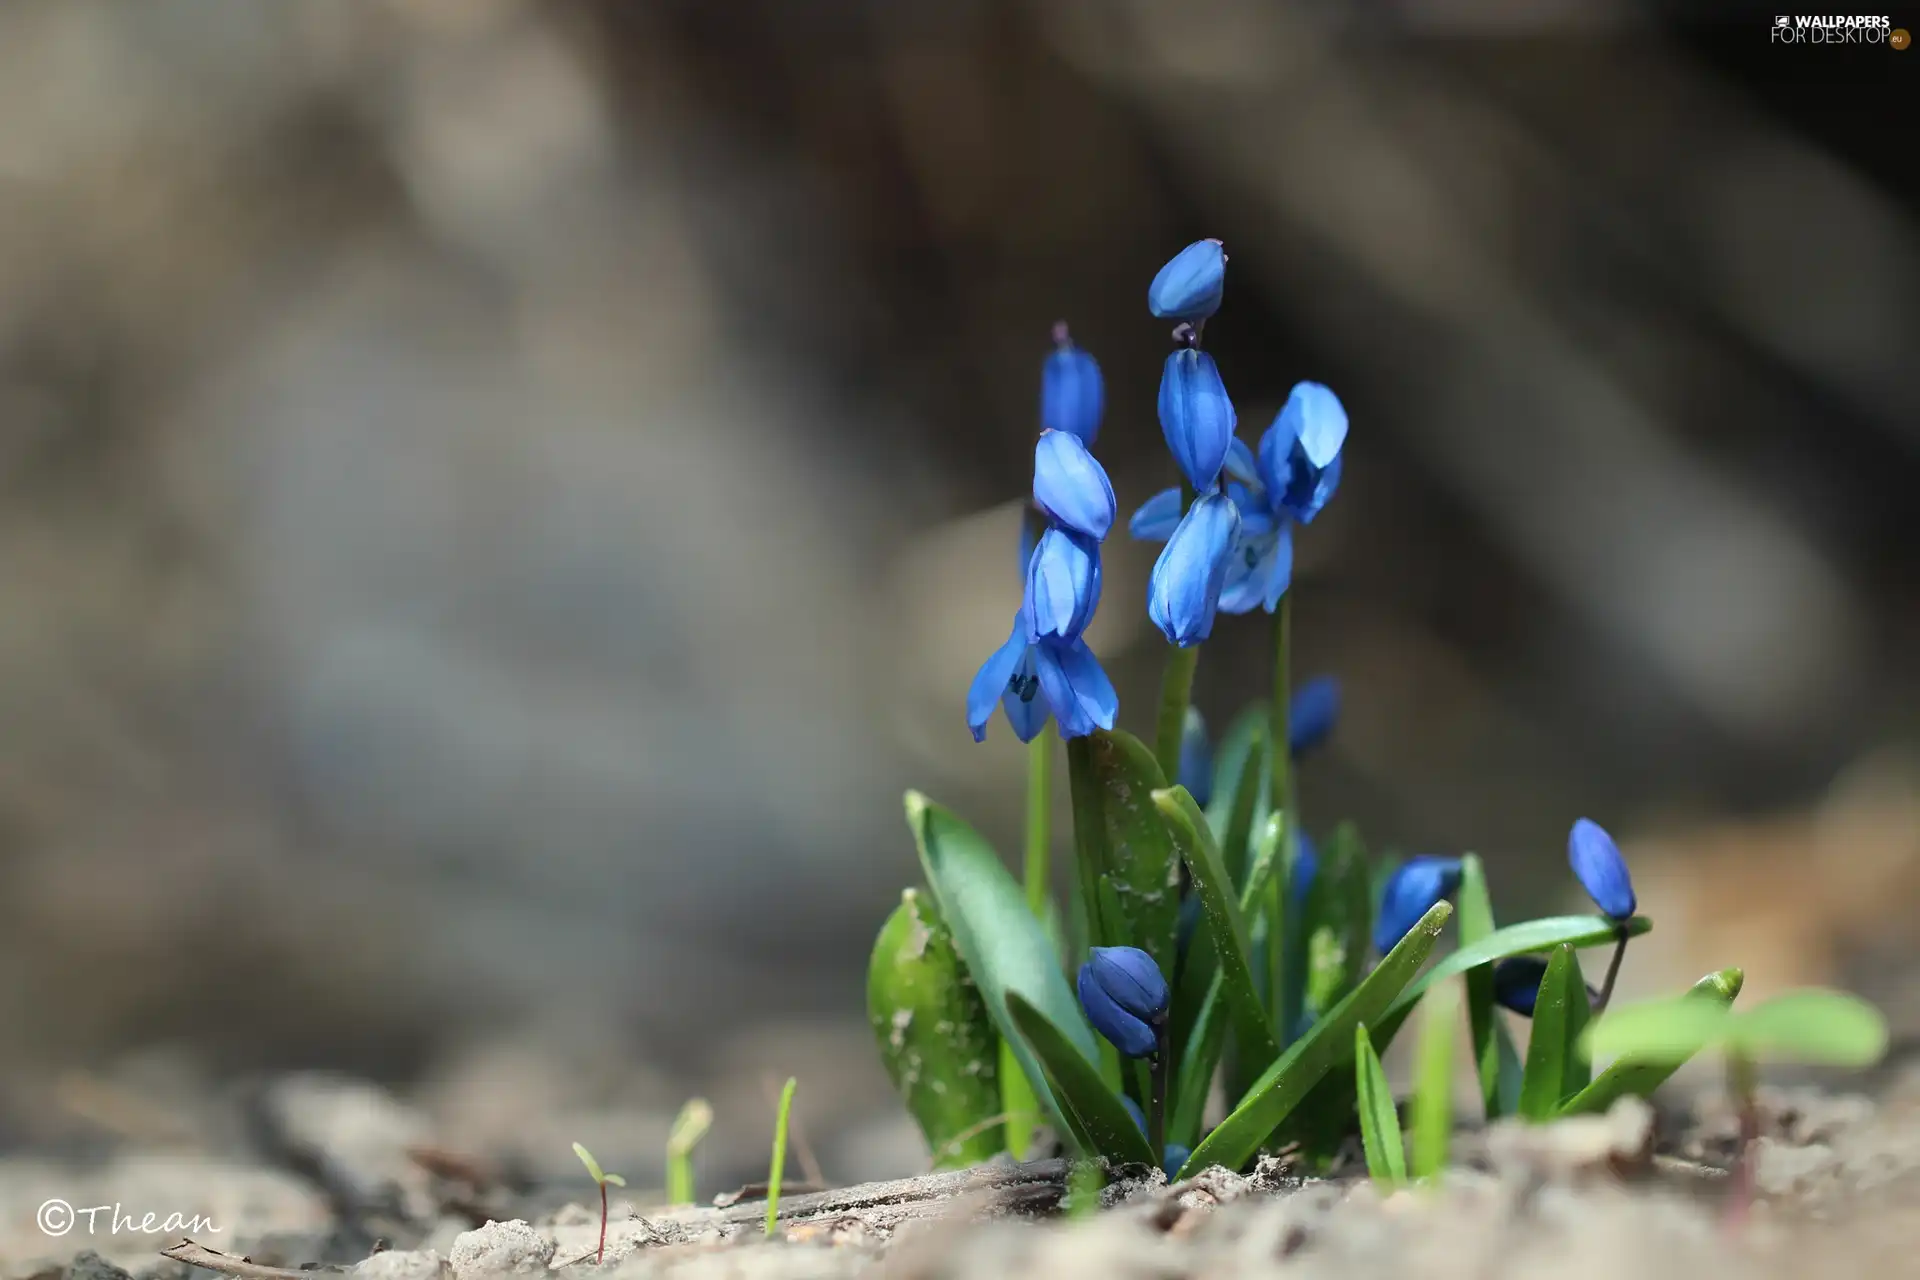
(1189, 286)
(1063, 584)
(1602, 872)
(1306, 869)
(1413, 889)
(1196, 417)
(1311, 714)
(1071, 486)
(1516, 983)
(1072, 393)
(1196, 758)
(1176, 1156)
(1125, 997)
(1184, 589)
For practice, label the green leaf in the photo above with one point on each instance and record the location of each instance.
(1559, 1016)
(1520, 940)
(1494, 1054)
(1135, 849)
(1093, 1109)
(1197, 1063)
(1433, 1082)
(593, 1166)
(1275, 1094)
(1337, 923)
(1379, 1122)
(778, 1164)
(1194, 842)
(1642, 1078)
(1812, 1025)
(1240, 804)
(996, 935)
(936, 1040)
(1666, 1031)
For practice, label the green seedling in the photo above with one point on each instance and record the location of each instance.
(1379, 1122)
(691, 1125)
(779, 1164)
(1433, 1082)
(1813, 1026)
(602, 1177)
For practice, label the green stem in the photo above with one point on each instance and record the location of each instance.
(1039, 824)
(1280, 758)
(1176, 693)
(1089, 834)
(1613, 972)
(1157, 1116)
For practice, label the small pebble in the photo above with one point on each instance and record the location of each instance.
(500, 1248)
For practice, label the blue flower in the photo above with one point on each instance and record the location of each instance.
(1125, 997)
(1035, 678)
(1306, 869)
(1072, 394)
(1196, 758)
(1133, 1109)
(1070, 486)
(1311, 713)
(1602, 872)
(1300, 453)
(1196, 416)
(1413, 889)
(1176, 1156)
(1190, 285)
(1063, 584)
(1516, 984)
(1184, 589)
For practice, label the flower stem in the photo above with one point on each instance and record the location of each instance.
(1157, 1115)
(1039, 823)
(1741, 1083)
(1613, 971)
(601, 1252)
(1176, 692)
(1280, 758)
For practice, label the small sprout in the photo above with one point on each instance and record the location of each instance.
(602, 1178)
(1433, 1084)
(691, 1125)
(780, 1120)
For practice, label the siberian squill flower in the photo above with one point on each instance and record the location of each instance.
(1602, 872)
(1189, 286)
(1311, 714)
(1072, 393)
(1183, 590)
(1411, 891)
(1125, 997)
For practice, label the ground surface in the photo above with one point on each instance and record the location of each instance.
(343, 1177)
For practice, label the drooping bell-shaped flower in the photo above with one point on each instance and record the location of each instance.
(1196, 416)
(1602, 872)
(1072, 393)
(1125, 997)
(1300, 452)
(1034, 679)
(1311, 714)
(1196, 758)
(1183, 590)
(1411, 891)
(1070, 486)
(1190, 285)
(1063, 584)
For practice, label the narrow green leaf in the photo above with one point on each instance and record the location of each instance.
(1137, 851)
(998, 939)
(1240, 804)
(1559, 1016)
(1642, 1078)
(1095, 1110)
(1494, 1054)
(936, 1040)
(778, 1166)
(1433, 1082)
(1812, 1025)
(1194, 842)
(1379, 1121)
(691, 1125)
(1288, 1080)
(593, 1166)
(1337, 923)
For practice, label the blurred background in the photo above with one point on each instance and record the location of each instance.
(500, 499)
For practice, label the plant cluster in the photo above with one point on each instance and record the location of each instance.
(1205, 936)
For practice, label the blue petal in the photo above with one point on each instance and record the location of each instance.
(1177, 1155)
(1306, 869)
(994, 677)
(1063, 584)
(1277, 569)
(1256, 518)
(1072, 393)
(1259, 573)
(1311, 714)
(1131, 1036)
(1184, 588)
(1196, 416)
(1190, 285)
(1026, 709)
(1131, 977)
(1413, 889)
(1602, 872)
(1077, 690)
(1196, 758)
(1309, 488)
(1275, 455)
(1070, 485)
(1318, 421)
(1157, 517)
(1516, 983)
(1240, 463)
